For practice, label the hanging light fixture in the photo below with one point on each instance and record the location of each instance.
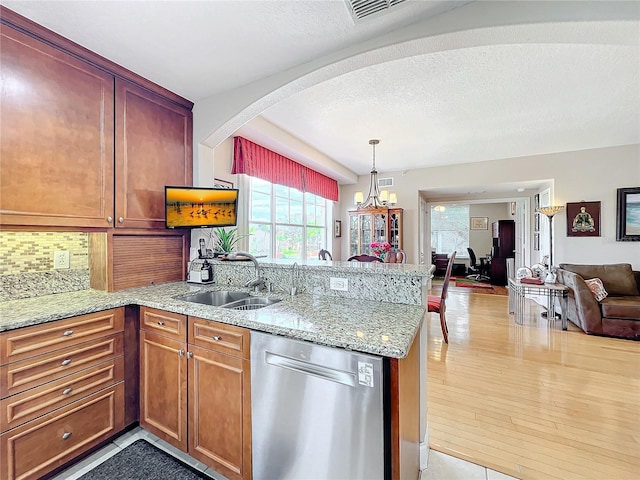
(375, 198)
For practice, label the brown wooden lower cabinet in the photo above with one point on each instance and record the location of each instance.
(163, 388)
(39, 446)
(220, 412)
(61, 391)
(198, 399)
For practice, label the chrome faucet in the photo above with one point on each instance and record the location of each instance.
(294, 272)
(257, 282)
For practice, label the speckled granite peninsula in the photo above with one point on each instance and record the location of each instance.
(380, 313)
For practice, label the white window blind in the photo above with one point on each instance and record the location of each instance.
(450, 229)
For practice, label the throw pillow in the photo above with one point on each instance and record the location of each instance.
(597, 288)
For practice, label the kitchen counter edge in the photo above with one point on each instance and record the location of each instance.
(378, 328)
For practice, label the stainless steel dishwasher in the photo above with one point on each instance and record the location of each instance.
(317, 412)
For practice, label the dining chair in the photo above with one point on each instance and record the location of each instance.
(395, 255)
(364, 258)
(324, 255)
(437, 304)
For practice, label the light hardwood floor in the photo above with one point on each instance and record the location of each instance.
(532, 401)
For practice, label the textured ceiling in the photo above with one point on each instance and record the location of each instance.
(471, 105)
(455, 104)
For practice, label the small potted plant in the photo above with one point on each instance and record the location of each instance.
(225, 240)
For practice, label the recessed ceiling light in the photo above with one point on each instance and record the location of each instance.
(521, 189)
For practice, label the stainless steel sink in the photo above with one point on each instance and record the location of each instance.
(251, 303)
(216, 298)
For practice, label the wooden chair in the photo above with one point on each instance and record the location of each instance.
(364, 258)
(437, 304)
(395, 255)
(324, 255)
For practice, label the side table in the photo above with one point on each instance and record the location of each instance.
(518, 290)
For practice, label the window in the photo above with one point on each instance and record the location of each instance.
(450, 229)
(285, 222)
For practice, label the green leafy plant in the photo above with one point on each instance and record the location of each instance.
(225, 240)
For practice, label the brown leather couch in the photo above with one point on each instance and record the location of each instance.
(618, 315)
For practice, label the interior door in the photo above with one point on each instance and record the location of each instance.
(424, 239)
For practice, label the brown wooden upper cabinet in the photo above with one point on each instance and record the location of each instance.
(153, 149)
(63, 110)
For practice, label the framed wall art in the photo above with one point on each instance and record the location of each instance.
(219, 183)
(479, 223)
(337, 228)
(583, 219)
(628, 215)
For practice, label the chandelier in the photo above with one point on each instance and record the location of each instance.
(376, 198)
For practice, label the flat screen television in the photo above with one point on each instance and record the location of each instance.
(192, 207)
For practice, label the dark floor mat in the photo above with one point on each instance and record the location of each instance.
(141, 460)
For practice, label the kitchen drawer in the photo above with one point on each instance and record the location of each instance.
(220, 337)
(33, 403)
(28, 342)
(167, 324)
(19, 376)
(37, 447)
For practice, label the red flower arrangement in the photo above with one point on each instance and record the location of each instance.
(380, 249)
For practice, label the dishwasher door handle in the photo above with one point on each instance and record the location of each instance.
(306, 368)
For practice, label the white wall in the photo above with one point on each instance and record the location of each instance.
(481, 240)
(590, 175)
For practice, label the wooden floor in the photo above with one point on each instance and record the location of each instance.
(532, 401)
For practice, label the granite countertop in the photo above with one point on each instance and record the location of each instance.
(379, 328)
(362, 268)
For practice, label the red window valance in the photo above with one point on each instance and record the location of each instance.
(319, 184)
(258, 161)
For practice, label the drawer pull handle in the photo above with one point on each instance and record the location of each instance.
(67, 391)
(66, 362)
(189, 354)
(67, 333)
(161, 323)
(217, 338)
(181, 353)
(66, 435)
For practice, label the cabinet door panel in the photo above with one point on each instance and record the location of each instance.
(220, 412)
(167, 324)
(39, 446)
(31, 341)
(31, 372)
(57, 136)
(153, 149)
(163, 388)
(227, 339)
(26, 406)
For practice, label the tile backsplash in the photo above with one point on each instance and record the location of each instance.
(26, 263)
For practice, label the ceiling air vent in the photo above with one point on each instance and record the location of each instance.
(364, 8)
(385, 182)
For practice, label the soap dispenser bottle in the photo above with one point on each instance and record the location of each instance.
(206, 273)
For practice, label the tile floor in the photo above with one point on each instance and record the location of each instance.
(439, 465)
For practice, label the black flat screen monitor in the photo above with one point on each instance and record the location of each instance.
(193, 207)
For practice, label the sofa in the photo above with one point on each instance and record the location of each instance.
(616, 315)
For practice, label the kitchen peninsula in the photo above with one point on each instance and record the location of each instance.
(361, 319)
